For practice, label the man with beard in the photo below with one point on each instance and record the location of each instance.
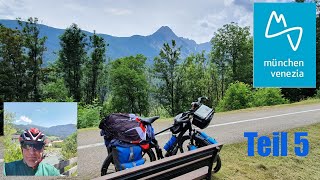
(32, 146)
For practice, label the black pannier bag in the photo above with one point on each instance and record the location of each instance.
(202, 116)
(123, 127)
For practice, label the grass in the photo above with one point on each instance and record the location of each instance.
(87, 129)
(304, 102)
(237, 165)
(67, 168)
(308, 101)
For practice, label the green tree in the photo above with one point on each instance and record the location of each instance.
(128, 83)
(88, 115)
(214, 85)
(318, 94)
(69, 147)
(196, 79)
(103, 83)
(297, 94)
(13, 77)
(71, 58)
(55, 90)
(1, 118)
(308, 92)
(35, 47)
(267, 97)
(53, 87)
(166, 70)
(12, 151)
(94, 66)
(238, 96)
(232, 54)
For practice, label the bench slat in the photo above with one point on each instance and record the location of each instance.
(194, 175)
(178, 170)
(169, 163)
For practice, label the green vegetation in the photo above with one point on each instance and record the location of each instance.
(318, 94)
(13, 78)
(129, 86)
(170, 119)
(55, 91)
(71, 57)
(94, 68)
(57, 145)
(159, 111)
(237, 165)
(238, 96)
(1, 121)
(267, 97)
(241, 96)
(53, 138)
(69, 147)
(67, 168)
(232, 56)
(88, 116)
(166, 70)
(166, 87)
(12, 151)
(35, 45)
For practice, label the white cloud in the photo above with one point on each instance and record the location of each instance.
(10, 8)
(197, 20)
(24, 119)
(118, 12)
(209, 24)
(75, 7)
(228, 2)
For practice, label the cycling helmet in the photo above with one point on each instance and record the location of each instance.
(33, 135)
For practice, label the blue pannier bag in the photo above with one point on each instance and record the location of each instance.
(208, 138)
(192, 147)
(132, 164)
(127, 157)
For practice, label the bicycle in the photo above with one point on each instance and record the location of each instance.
(179, 141)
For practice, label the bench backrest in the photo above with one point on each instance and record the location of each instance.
(171, 167)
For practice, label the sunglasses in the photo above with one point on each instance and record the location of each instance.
(37, 146)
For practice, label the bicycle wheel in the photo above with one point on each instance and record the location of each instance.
(108, 167)
(183, 147)
(150, 155)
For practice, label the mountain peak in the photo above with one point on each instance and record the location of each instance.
(120, 47)
(165, 30)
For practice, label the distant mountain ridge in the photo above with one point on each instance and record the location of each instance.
(119, 47)
(61, 131)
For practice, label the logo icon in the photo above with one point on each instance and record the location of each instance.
(279, 19)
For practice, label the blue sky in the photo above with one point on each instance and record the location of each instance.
(43, 114)
(197, 20)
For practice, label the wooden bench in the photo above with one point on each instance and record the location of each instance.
(196, 164)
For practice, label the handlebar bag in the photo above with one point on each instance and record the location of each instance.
(202, 116)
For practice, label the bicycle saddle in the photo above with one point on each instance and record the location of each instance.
(149, 120)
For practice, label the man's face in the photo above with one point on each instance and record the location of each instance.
(31, 155)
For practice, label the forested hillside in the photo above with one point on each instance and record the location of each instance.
(84, 73)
